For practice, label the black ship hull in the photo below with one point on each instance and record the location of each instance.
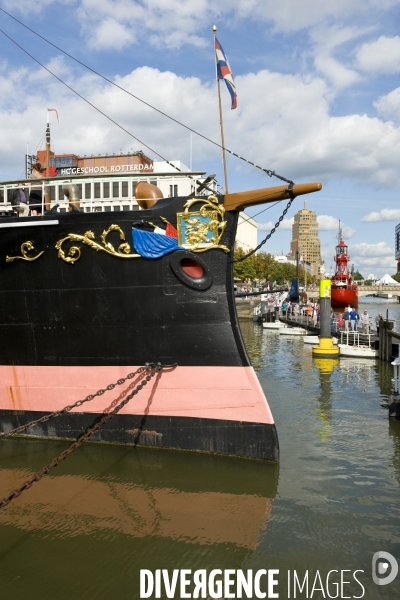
(79, 310)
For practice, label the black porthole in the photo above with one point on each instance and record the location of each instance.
(191, 269)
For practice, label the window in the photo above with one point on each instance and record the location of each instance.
(125, 193)
(115, 189)
(97, 189)
(173, 190)
(106, 189)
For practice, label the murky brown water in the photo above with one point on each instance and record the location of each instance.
(86, 530)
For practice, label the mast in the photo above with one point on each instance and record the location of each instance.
(46, 193)
(220, 117)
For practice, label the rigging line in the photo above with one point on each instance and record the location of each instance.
(104, 114)
(40, 142)
(269, 172)
(259, 213)
(83, 98)
(98, 109)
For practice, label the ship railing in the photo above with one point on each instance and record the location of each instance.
(100, 193)
(354, 337)
(92, 198)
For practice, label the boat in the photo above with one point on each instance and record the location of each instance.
(344, 292)
(351, 345)
(274, 325)
(292, 331)
(89, 297)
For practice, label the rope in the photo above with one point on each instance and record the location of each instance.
(269, 172)
(153, 370)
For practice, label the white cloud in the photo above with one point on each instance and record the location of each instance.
(365, 250)
(285, 119)
(293, 15)
(380, 56)
(285, 224)
(378, 258)
(386, 214)
(178, 22)
(389, 106)
(110, 34)
(120, 23)
(379, 266)
(326, 41)
(329, 223)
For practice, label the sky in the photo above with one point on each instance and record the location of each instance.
(318, 88)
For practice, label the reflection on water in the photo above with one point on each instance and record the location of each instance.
(108, 511)
(106, 491)
(394, 433)
(325, 367)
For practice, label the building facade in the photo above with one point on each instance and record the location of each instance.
(397, 246)
(305, 238)
(246, 234)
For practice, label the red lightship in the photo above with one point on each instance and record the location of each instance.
(344, 291)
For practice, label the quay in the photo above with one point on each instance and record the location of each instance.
(387, 343)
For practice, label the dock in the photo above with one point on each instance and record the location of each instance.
(302, 321)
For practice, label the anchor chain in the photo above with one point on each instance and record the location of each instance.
(75, 405)
(56, 461)
(279, 221)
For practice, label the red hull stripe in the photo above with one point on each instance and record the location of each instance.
(230, 393)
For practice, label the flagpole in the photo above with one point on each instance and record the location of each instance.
(220, 117)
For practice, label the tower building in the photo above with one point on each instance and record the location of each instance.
(305, 238)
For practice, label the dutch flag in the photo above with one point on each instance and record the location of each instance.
(224, 72)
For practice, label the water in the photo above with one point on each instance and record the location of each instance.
(87, 529)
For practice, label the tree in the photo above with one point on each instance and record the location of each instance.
(397, 277)
(263, 266)
(358, 276)
(244, 269)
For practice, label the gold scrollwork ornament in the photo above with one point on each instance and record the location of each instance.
(25, 248)
(202, 230)
(74, 253)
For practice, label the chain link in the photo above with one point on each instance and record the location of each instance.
(279, 221)
(153, 370)
(68, 408)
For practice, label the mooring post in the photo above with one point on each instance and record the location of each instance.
(394, 399)
(326, 347)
